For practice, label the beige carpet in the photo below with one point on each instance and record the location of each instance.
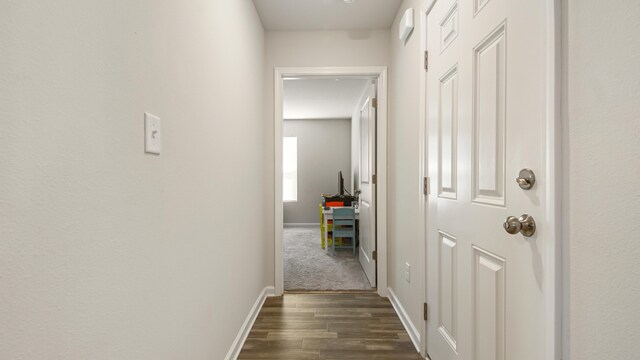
(308, 267)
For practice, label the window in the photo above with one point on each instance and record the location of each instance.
(290, 169)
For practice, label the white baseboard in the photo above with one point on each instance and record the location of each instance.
(412, 330)
(238, 343)
(302, 224)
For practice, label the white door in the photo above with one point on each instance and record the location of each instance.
(486, 87)
(367, 227)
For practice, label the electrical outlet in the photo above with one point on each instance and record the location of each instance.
(407, 272)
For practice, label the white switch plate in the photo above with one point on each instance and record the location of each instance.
(407, 272)
(152, 134)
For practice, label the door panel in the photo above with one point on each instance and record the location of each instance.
(486, 106)
(489, 119)
(448, 134)
(449, 26)
(448, 290)
(489, 305)
(367, 222)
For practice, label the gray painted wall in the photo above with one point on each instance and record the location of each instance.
(92, 230)
(601, 170)
(324, 148)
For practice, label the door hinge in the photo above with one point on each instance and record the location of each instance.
(426, 60)
(374, 102)
(374, 255)
(426, 312)
(425, 185)
(374, 179)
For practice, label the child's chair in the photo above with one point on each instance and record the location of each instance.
(344, 226)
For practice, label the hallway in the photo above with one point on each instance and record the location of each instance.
(142, 179)
(326, 327)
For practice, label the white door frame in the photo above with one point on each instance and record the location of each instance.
(553, 255)
(379, 72)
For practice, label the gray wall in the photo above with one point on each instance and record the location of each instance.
(324, 148)
(96, 237)
(601, 172)
(403, 157)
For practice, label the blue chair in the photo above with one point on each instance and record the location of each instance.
(344, 226)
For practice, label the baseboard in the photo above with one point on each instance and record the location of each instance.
(412, 330)
(238, 343)
(302, 224)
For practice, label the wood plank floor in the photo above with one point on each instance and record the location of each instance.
(328, 327)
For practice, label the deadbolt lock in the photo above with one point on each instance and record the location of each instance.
(524, 224)
(526, 179)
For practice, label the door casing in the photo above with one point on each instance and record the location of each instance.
(379, 73)
(555, 302)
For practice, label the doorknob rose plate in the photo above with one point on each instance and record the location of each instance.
(526, 179)
(528, 225)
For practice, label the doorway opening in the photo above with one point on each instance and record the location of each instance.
(330, 206)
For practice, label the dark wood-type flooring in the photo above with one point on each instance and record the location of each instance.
(328, 327)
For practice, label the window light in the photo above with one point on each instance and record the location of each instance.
(290, 169)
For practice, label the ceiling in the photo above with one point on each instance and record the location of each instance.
(326, 14)
(322, 97)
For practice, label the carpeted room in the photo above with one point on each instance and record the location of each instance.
(320, 141)
(309, 267)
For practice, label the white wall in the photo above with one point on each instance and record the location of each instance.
(602, 133)
(403, 162)
(105, 252)
(324, 148)
(304, 49)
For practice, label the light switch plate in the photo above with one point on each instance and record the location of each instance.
(407, 272)
(152, 134)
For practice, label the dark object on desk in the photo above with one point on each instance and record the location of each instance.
(337, 200)
(340, 183)
(340, 199)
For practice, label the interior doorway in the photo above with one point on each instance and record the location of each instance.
(328, 148)
(321, 153)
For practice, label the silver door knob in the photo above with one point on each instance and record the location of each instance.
(524, 224)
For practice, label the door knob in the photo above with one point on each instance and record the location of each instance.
(525, 225)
